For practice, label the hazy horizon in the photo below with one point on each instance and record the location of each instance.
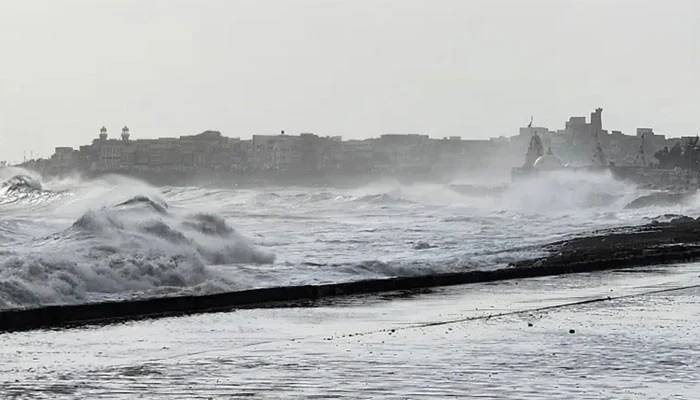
(358, 69)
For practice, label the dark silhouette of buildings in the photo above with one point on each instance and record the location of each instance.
(580, 143)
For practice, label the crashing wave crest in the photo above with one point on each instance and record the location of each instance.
(135, 247)
(20, 183)
(23, 189)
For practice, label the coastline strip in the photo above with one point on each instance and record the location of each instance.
(116, 311)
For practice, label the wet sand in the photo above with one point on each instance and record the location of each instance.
(507, 339)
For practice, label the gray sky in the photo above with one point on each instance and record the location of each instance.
(353, 68)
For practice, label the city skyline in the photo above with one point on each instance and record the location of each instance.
(582, 143)
(559, 128)
(341, 68)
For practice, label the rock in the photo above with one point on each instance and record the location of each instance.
(632, 246)
(572, 331)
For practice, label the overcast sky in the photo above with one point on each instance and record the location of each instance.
(353, 68)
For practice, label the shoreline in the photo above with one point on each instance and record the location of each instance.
(656, 243)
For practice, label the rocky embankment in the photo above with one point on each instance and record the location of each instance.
(675, 240)
(665, 240)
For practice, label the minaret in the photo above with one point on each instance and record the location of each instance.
(103, 133)
(125, 134)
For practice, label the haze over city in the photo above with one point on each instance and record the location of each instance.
(475, 69)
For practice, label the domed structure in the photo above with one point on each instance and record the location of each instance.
(125, 134)
(548, 162)
(103, 133)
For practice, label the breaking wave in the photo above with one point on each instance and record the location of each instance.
(24, 188)
(383, 198)
(75, 240)
(135, 247)
(568, 191)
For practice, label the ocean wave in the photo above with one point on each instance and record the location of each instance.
(115, 237)
(567, 191)
(383, 198)
(209, 224)
(25, 189)
(21, 183)
(135, 246)
(143, 201)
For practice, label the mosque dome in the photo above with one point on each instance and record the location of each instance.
(548, 162)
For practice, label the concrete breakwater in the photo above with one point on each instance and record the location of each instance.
(655, 243)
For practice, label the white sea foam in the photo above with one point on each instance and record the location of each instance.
(117, 246)
(77, 240)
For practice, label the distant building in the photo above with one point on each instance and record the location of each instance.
(580, 143)
(403, 153)
(585, 134)
(64, 159)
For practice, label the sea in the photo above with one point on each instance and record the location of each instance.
(625, 334)
(74, 240)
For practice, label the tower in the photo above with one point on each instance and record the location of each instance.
(103, 133)
(597, 122)
(125, 134)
